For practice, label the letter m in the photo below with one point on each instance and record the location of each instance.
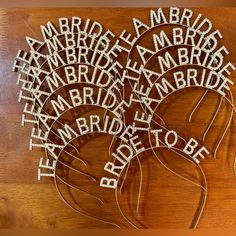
(166, 61)
(164, 87)
(66, 133)
(54, 80)
(53, 60)
(59, 105)
(48, 31)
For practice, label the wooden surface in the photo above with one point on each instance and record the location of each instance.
(168, 201)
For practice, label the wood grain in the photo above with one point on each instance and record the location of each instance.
(168, 202)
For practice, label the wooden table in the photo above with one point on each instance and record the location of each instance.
(170, 202)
